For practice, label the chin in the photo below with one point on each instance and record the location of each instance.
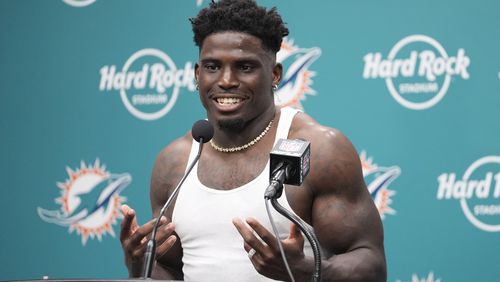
(234, 124)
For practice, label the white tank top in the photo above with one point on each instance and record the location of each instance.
(212, 247)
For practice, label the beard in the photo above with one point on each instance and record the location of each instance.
(232, 124)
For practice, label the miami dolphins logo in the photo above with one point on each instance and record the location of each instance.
(429, 278)
(90, 201)
(296, 82)
(377, 180)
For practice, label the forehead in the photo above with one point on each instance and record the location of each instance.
(231, 43)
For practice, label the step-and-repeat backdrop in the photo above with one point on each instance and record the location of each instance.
(92, 90)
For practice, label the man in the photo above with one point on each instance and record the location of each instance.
(219, 229)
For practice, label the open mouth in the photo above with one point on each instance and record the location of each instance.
(228, 101)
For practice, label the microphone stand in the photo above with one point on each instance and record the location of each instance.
(307, 232)
(149, 255)
(273, 192)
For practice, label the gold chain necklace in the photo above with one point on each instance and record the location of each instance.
(243, 147)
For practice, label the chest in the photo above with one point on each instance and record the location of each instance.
(228, 174)
(231, 172)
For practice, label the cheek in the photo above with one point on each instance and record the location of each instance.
(207, 83)
(260, 82)
(203, 98)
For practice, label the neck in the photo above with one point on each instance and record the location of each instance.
(233, 137)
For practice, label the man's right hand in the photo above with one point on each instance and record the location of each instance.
(134, 239)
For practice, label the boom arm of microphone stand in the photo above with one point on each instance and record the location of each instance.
(149, 255)
(307, 232)
(273, 192)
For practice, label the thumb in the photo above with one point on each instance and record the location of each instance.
(295, 233)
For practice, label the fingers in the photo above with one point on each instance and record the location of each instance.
(135, 244)
(165, 239)
(131, 235)
(261, 243)
(267, 237)
(134, 238)
(266, 257)
(245, 233)
(129, 222)
(140, 235)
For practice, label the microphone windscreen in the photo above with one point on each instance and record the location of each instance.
(297, 153)
(202, 129)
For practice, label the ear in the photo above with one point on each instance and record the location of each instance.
(196, 71)
(277, 73)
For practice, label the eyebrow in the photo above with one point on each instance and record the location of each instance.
(248, 59)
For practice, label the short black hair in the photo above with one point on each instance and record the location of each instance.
(240, 16)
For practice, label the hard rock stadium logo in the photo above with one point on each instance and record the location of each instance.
(90, 201)
(417, 71)
(378, 179)
(296, 82)
(477, 191)
(149, 83)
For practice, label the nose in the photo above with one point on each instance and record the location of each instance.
(228, 79)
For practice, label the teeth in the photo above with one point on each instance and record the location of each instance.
(228, 101)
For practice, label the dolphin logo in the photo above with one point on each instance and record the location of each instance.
(296, 80)
(379, 178)
(95, 199)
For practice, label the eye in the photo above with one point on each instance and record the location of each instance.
(246, 67)
(211, 67)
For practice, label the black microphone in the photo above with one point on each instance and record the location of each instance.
(289, 164)
(202, 132)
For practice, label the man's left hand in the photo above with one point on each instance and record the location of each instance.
(263, 250)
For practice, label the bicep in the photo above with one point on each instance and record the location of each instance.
(343, 214)
(343, 225)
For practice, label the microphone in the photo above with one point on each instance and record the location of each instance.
(289, 164)
(202, 132)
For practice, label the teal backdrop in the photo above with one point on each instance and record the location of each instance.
(91, 91)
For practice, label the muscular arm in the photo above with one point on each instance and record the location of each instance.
(335, 201)
(344, 217)
(168, 170)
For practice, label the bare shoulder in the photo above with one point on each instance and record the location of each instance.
(335, 164)
(168, 169)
